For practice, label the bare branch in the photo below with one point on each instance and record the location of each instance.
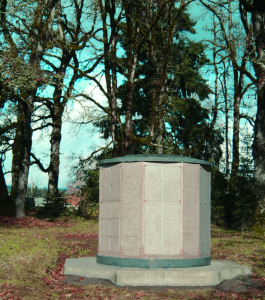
(38, 163)
(250, 120)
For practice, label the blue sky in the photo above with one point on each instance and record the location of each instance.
(85, 141)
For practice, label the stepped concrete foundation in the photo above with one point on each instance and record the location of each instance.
(213, 274)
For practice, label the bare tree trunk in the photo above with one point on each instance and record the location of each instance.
(259, 161)
(56, 136)
(226, 134)
(226, 107)
(259, 130)
(160, 136)
(161, 125)
(257, 10)
(110, 64)
(7, 208)
(21, 157)
(132, 56)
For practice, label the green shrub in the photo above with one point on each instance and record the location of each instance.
(56, 204)
(88, 210)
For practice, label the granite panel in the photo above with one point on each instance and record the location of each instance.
(104, 244)
(153, 182)
(153, 210)
(104, 210)
(192, 220)
(104, 227)
(114, 209)
(134, 205)
(133, 215)
(105, 193)
(172, 237)
(105, 176)
(208, 179)
(207, 195)
(153, 245)
(202, 212)
(208, 246)
(191, 210)
(130, 228)
(153, 228)
(130, 242)
(131, 192)
(131, 253)
(173, 229)
(202, 177)
(203, 246)
(114, 244)
(172, 182)
(115, 192)
(191, 243)
(202, 194)
(172, 210)
(135, 180)
(114, 227)
(115, 174)
(153, 171)
(131, 172)
(207, 212)
(202, 226)
(191, 196)
(171, 247)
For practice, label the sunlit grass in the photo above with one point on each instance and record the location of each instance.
(33, 253)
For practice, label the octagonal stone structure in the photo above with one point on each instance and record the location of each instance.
(154, 211)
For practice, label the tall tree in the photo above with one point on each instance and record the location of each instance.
(257, 10)
(233, 48)
(79, 41)
(141, 19)
(55, 107)
(231, 41)
(188, 120)
(9, 70)
(40, 28)
(178, 105)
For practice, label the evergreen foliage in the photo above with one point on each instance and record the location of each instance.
(89, 206)
(55, 203)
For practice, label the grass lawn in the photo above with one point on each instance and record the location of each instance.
(33, 252)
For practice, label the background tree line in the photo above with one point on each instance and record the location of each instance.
(157, 109)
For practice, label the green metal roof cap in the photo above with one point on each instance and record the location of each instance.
(154, 158)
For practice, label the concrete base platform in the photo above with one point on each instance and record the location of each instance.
(218, 271)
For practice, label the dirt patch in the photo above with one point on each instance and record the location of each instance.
(240, 284)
